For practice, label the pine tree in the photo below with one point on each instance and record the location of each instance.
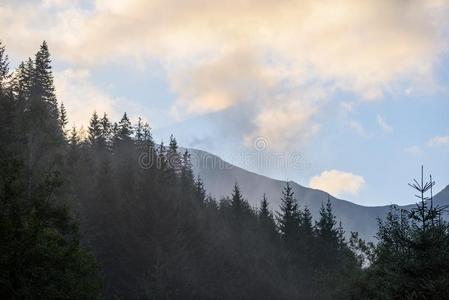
(139, 131)
(147, 137)
(7, 104)
(94, 130)
(125, 129)
(265, 216)
(186, 171)
(74, 141)
(22, 83)
(115, 132)
(341, 235)
(4, 67)
(162, 164)
(173, 157)
(288, 219)
(43, 81)
(238, 203)
(306, 222)
(264, 212)
(106, 129)
(325, 226)
(200, 191)
(63, 121)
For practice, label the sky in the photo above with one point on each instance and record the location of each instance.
(350, 97)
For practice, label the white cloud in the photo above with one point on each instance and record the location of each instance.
(289, 123)
(81, 97)
(337, 182)
(439, 141)
(383, 124)
(217, 54)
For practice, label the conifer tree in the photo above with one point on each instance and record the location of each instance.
(74, 141)
(43, 81)
(22, 83)
(264, 212)
(200, 191)
(306, 222)
(237, 200)
(115, 132)
(7, 103)
(288, 218)
(265, 216)
(147, 137)
(63, 121)
(125, 130)
(106, 129)
(4, 66)
(340, 234)
(173, 157)
(186, 171)
(325, 226)
(139, 131)
(94, 130)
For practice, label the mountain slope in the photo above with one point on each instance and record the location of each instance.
(219, 178)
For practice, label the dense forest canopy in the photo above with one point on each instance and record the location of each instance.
(114, 215)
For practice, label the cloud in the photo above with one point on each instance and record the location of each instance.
(337, 182)
(219, 54)
(290, 123)
(81, 97)
(439, 141)
(383, 124)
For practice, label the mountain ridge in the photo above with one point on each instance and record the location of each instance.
(219, 177)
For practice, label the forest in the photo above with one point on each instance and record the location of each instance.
(108, 213)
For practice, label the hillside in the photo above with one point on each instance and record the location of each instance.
(220, 176)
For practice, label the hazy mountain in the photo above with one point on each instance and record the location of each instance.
(219, 178)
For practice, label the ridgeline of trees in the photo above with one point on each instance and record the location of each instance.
(153, 232)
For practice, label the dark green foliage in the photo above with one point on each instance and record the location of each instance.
(40, 252)
(94, 130)
(63, 119)
(4, 67)
(40, 255)
(149, 223)
(411, 259)
(125, 129)
(288, 218)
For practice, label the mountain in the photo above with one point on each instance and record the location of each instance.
(220, 176)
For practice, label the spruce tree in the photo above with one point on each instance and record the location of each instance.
(200, 191)
(74, 144)
(325, 226)
(288, 218)
(94, 130)
(125, 130)
(8, 106)
(43, 81)
(115, 135)
(266, 217)
(63, 121)
(306, 222)
(4, 67)
(139, 131)
(187, 179)
(147, 137)
(22, 83)
(173, 157)
(238, 203)
(105, 129)
(264, 212)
